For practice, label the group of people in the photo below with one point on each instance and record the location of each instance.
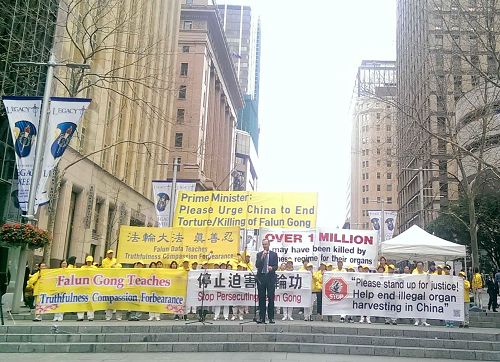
(266, 266)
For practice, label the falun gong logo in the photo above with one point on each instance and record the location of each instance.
(163, 200)
(24, 132)
(63, 136)
(336, 289)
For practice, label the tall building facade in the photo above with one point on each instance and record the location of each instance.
(242, 31)
(445, 50)
(207, 101)
(105, 175)
(373, 182)
(27, 30)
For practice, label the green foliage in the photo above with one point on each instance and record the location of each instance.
(13, 235)
(453, 223)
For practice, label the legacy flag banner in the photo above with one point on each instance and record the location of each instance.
(237, 288)
(356, 247)
(394, 295)
(168, 244)
(251, 210)
(24, 117)
(388, 224)
(64, 117)
(162, 194)
(79, 290)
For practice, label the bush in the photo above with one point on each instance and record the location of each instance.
(13, 235)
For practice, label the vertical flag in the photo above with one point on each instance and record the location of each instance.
(24, 117)
(64, 117)
(388, 224)
(162, 195)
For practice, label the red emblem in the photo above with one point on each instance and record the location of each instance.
(336, 289)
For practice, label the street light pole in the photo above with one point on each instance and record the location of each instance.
(37, 165)
(173, 192)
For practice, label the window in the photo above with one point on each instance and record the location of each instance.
(187, 25)
(378, 187)
(378, 175)
(389, 139)
(189, 2)
(366, 176)
(367, 152)
(182, 92)
(185, 48)
(363, 176)
(363, 188)
(378, 115)
(180, 115)
(363, 152)
(388, 128)
(178, 139)
(389, 200)
(378, 163)
(388, 163)
(389, 152)
(389, 175)
(184, 69)
(378, 139)
(389, 187)
(378, 127)
(379, 199)
(367, 187)
(366, 163)
(378, 151)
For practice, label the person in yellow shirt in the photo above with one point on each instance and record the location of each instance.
(316, 288)
(477, 287)
(420, 270)
(465, 324)
(305, 264)
(109, 261)
(340, 267)
(382, 261)
(58, 317)
(329, 267)
(89, 264)
(33, 285)
(248, 262)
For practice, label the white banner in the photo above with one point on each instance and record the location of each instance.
(162, 194)
(356, 247)
(353, 247)
(24, 117)
(389, 223)
(394, 295)
(65, 115)
(295, 244)
(237, 288)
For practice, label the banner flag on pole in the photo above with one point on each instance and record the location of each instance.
(24, 116)
(65, 115)
(389, 223)
(162, 195)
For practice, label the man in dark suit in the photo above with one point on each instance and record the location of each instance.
(266, 264)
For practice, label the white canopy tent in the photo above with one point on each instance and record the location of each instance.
(417, 244)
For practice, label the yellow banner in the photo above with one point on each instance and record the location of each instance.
(250, 210)
(79, 290)
(149, 244)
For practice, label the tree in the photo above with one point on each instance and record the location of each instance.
(453, 223)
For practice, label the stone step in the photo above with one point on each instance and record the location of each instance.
(219, 337)
(360, 349)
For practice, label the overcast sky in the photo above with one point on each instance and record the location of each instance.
(310, 54)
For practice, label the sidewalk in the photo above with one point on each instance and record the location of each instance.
(209, 357)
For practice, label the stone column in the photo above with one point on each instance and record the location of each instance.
(61, 222)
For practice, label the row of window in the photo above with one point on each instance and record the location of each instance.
(365, 175)
(366, 201)
(364, 164)
(365, 128)
(365, 140)
(366, 188)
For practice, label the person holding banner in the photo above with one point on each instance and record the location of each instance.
(267, 264)
(308, 310)
(32, 285)
(225, 309)
(110, 262)
(465, 323)
(288, 311)
(58, 317)
(239, 311)
(364, 318)
(154, 315)
(89, 264)
(391, 270)
(420, 270)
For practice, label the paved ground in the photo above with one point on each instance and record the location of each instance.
(207, 357)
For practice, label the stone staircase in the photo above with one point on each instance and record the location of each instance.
(296, 336)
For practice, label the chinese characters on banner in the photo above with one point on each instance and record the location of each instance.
(168, 244)
(356, 247)
(394, 296)
(250, 210)
(237, 288)
(79, 290)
